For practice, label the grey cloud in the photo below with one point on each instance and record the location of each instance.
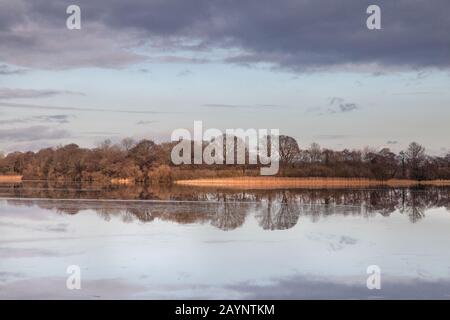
(32, 133)
(59, 118)
(312, 287)
(330, 136)
(99, 133)
(377, 74)
(60, 227)
(347, 240)
(289, 34)
(6, 253)
(25, 146)
(34, 288)
(336, 105)
(7, 70)
(7, 93)
(8, 276)
(144, 122)
(236, 106)
(417, 93)
(184, 73)
(35, 35)
(178, 59)
(44, 107)
(391, 142)
(346, 107)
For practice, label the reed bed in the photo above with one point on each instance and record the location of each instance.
(10, 178)
(305, 183)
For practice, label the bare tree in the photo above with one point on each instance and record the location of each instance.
(289, 150)
(415, 157)
(315, 152)
(127, 143)
(105, 145)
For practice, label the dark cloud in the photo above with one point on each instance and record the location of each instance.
(33, 133)
(311, 287)
(391, 142)
(295, 35)
(34, 34)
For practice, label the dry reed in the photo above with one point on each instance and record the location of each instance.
(10, 178)
(282, 183)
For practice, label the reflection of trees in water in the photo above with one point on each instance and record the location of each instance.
(274, 210)
(142, 214)
(279, 214)
(413, 206)
(229, 215)
(383, 201)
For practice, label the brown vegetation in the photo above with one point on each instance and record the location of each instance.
(294, 183)
(148, 162)
(10, 178)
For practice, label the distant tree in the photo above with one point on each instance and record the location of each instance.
(368, 153)
(289, 150)
(315, 152)
(415, 158)
(127, 143)
(144, 161)
(383, 164)
(105, 145)
(145, 154)
(402, 159)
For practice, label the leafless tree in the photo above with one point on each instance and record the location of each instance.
(415, 157)
(127, 143)
(289, 151)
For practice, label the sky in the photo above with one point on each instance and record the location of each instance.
(141, 69)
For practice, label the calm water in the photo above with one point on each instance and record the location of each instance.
(200, 243)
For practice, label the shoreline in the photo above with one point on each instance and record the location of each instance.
(11, 178)
(305, 183)
(268, 183)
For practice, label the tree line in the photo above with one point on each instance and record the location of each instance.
(147, 161)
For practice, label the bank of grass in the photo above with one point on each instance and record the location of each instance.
(10, 178)
(305, 183)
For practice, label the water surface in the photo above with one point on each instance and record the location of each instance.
(147, 243)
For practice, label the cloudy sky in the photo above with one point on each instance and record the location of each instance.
(143, 68)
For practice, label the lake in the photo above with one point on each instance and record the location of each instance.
(197, 243)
